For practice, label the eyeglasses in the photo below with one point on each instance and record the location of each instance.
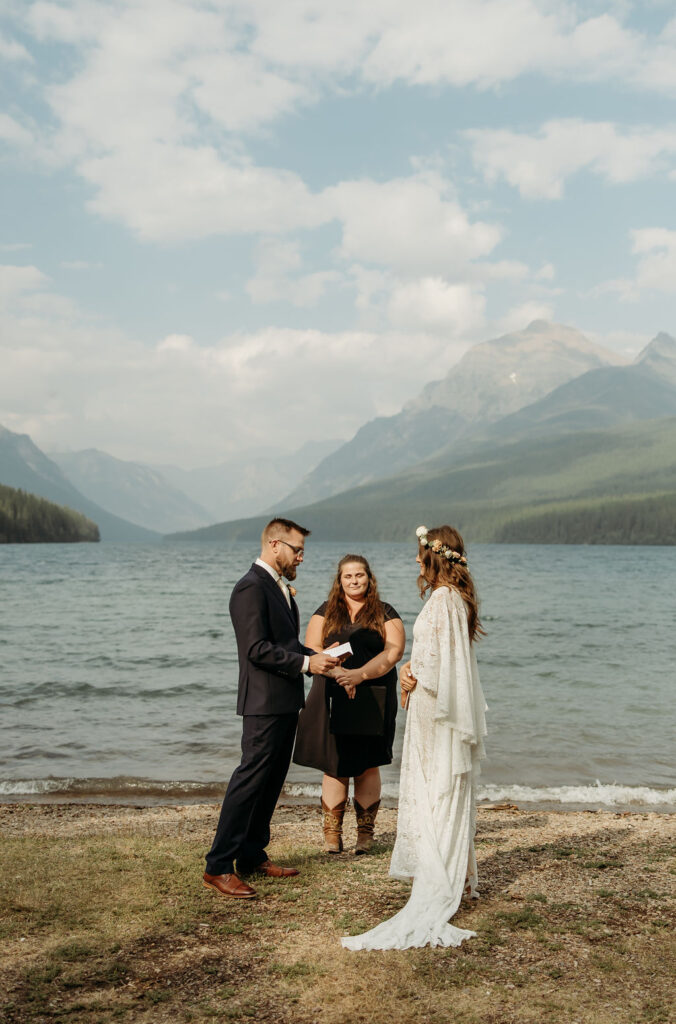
(296, 551)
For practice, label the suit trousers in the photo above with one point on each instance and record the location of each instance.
(243, 830)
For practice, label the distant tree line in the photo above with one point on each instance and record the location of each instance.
(631, 520)
(27, 519)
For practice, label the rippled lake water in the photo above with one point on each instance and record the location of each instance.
(118, 668)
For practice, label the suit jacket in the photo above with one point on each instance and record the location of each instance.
(268, 646)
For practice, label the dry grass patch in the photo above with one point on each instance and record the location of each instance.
(104, 919)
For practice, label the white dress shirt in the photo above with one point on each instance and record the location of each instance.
(281, 583)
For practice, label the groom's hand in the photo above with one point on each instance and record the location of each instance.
(341, 657)
(322, 664)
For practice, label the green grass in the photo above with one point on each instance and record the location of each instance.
(125, 932)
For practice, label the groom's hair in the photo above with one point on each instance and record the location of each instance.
(279, 526)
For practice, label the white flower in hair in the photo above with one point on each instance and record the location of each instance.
(439, 548)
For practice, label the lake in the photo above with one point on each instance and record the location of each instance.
(119, 672)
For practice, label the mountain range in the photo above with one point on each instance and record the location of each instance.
(132, 501)
(533, 434)
(249, 482)
(599, 449)
(492, 380)
(23, 465)
(135, 492)
(598, 399)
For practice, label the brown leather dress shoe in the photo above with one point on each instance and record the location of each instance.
(229, 885)
(274, 870)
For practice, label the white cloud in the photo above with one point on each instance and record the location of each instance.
(412, 224)
(501, 270)
(658, 72)
(405, 228)
(538, 165)
(74, 22)
(524, 313)
(240, 93)
(155, 104)
(11, 50)
(437, 305)
(413, 256)
(371, 286)
(13, 133)
(147, 119)
(179, 193)
(547, 272)
(458, 42)
(155, 116)
(71, 382)
(312, 37)
(16, 280)
(655, 249)
(279, 276)
(466, 42)
(175, 343)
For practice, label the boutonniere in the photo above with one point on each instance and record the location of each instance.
(292, 591)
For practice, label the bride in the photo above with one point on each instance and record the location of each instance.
(443, 745)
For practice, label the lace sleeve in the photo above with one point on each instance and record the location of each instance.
(431, 637)
(443, 662)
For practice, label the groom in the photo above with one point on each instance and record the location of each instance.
(272, 661)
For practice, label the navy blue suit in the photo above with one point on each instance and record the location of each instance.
(270, 695)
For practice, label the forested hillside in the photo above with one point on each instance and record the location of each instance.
(645, 520)
(25, 519)
(23, 465)
(600, 487)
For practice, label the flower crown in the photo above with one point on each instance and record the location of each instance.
(454, 557)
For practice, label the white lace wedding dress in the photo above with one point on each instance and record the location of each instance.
(443, 745)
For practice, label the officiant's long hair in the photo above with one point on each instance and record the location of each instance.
(437, 571)
(337, 616)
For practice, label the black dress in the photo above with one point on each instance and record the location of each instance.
(344, 737)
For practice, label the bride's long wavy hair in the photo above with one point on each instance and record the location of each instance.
(437, 571)
(336, 616)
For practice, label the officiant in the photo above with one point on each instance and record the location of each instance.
(346, 729)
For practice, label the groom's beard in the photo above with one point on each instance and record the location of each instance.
(289, 573)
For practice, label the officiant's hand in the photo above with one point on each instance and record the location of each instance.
(349, 678)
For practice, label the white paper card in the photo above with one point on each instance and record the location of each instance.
(337, 652)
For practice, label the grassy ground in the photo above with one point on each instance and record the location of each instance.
(104, 919)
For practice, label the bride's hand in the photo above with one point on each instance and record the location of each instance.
(407, 681)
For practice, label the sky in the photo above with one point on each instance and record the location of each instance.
(239, 224)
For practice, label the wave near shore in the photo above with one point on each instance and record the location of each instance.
(127, 789)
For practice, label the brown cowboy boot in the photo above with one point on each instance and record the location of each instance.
(333, 827)
(366, 817)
